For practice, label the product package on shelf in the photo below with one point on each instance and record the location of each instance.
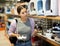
(2, 22)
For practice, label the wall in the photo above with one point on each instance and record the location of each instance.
(59, 6)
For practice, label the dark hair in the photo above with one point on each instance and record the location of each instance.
(22, 1)
(19, 8)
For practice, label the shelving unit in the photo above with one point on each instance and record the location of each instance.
(47, 22)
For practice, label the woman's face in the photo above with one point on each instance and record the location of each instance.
(23, 12)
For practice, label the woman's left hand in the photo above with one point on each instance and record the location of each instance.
(34, 32)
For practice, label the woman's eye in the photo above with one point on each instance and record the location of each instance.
(22, 12)
(25, 11)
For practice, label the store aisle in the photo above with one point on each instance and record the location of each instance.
(3, 39)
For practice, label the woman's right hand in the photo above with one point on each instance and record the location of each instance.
(13, 34)
(17, 35)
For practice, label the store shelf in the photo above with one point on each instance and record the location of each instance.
(53, 18)
(47, 39)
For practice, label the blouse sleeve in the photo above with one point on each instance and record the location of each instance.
(32, 24)
(12, 28)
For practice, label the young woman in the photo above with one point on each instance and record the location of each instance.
(24, 27)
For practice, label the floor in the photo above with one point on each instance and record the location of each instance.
(3, 39)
